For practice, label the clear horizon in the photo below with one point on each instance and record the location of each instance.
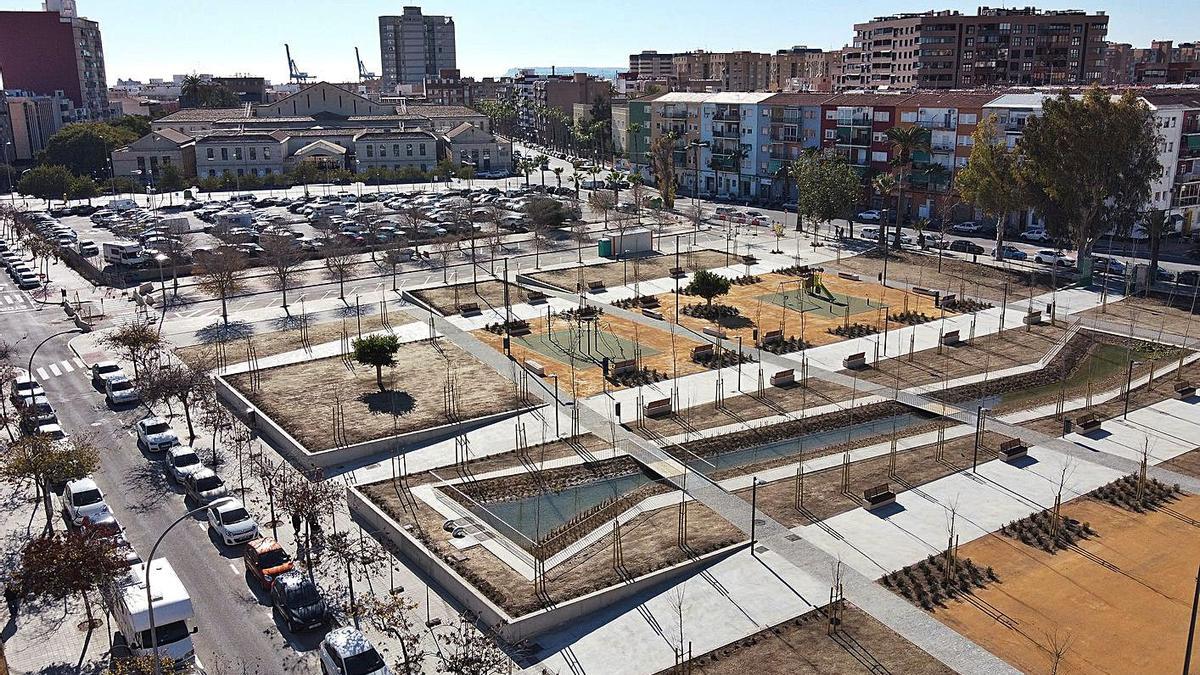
(157, 40)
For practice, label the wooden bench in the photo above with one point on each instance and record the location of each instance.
(650, 301)
(1088, 422)
(678, 273)
(849, 276)
(1033, 319)
(772, 336)
(950, 337)
(878, 497)
(855, 361)
(1012, 449)
(947, 299)
(595, 286)
(702, 352)
(468, 308)
(656, 408)
(535, 367)
(653, 314)
(536, 296)
(622, 367)
(1185, 389)
(715, 332)
(749, 259)
(587, 313)
(783, 378)
(519, 328)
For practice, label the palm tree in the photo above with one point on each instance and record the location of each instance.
(905, 141)
(739, 153)
(614, 179)
(526, 166)
(191, 89)
(635, 131)
(558, 172)
(885, 184)
(542, 161)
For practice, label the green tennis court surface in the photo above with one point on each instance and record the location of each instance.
(588, 346)
(800, 301)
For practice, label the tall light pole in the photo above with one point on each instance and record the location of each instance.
(29, 370)
(150, 561)
(12, 189)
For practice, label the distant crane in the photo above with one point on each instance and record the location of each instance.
(363, 74)
(294, 73)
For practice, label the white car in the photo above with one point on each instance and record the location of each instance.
(156, 435)
(1053, 258)
(105, 370)
(182, 461)
(120, 391)
(1036, 235)
(346, 651)
(871, 233)
(871, 216)
(82, 499)
(230, 520)
(204, 486)
(25, 387)
(967, 228)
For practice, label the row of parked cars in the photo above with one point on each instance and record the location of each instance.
(21, 273)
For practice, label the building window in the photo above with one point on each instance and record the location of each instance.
(212, 173)
(408, 149)
(883, 116)
(237, 154)
(422, 149)
(370, 151)
(908, 116)
(210, 153)
(224, 154)
(967, 118)
(253, 154)
(830, 134)
(382, 150)
(266, 153)
(879, 156)
(241, 172)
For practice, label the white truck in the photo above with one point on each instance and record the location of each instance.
(123, 254)
(173, 612)
(176, 224)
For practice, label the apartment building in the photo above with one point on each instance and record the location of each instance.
(450, 88)
(1177, 191)
(651, 65)
(31, 120)
(802, 69)
(631, 132)
(997, 46)
(734, 127)
(54, 52)
(413, 47)
(792, 125)
(1163, 62)
(679, 113)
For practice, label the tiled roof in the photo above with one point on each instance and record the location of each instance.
(798, 99)
(396, 133)
(235, 134)
(204, 115)
(429, 110)
(952, 98)
(174, 136)
(868, 99)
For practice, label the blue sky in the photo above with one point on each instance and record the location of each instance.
(157, 39)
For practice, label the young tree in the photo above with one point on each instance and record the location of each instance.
(1090, 162)
(990, 179)
(544, 214)
(827, 187)
(885, 184)
(305, 501)
(392, 615)
(63, 564)
(171, 179)
(222, 273)
(467, 650)
(45, 462)
(603, 202)
(137, 341)
(339, 263)
(178, 382)
(662, 164)
(283, 260)
(377, 350)
(708, 285)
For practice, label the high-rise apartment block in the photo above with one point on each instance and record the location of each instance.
(55, 52)
(413, 47)
(949, 50)
(651, 65)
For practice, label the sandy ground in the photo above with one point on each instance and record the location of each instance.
(803, 646)
(957, 276)
(446, 299)
(642, 269)
(758, 311)
(1151, 313)
(1122, 601)
(280, 341)
(589, 377)
(300, 397)
(1188, 463)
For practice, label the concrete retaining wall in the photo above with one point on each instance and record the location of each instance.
(530, 625)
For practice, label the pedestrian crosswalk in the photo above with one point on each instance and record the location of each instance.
(14, 300)
(61, 368)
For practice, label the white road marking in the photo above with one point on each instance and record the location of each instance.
(43, 374)
(8, 299)
(234, 568)
(67, 367)
(79, 362)
(54, 369)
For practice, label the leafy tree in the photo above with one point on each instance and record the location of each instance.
(7, 172)
(885, 184)
(222, 273)
(1090, 162)
(84, 147)
(178, 382)
(46, 182)
(990, 179)
(83, 187)
(662, 164)
(63, 564)
(137, 341)
(170, 179)
(545, 214)
(196, 93)
(827, 187)
(142, 665)
(467, 650)
(45, 462)
(708, 285)
(906, 142)
(135, 124)
(376, 350)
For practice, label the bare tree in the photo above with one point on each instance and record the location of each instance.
(602, 201)
(392, 615)
(222, 273)
(1059, 647)
(178, 382)
(339, 263)
(178, 250)
(137, 341)
(412, 218)
(46, 461)
(467, 650)
(283, 260)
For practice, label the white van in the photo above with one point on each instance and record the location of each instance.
(122, 205)
(173, 612)
(123, 254)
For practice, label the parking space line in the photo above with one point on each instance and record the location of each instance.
(234, 568)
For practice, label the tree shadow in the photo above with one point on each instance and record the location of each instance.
(148, 486)
(218, 332)
(288, 322)
(389, 402)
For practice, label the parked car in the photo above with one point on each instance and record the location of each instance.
(265, 559)
(82, 499)
(155, 434)
(120, 391)
(232, 522)
(871, 233)
(1036, 234)
(105, 370)
(968, 227)
(182, 461)
(346, 651)
(297, 600)
(1105, 265)
(204, 486)
(1011, 253)
(1048, 257)
(871, 216)
(1188, 278)
(37, 413)
(964, 246)
(23, 387)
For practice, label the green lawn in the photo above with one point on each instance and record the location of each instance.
(1104, 361)
(593, 347)
(797, 300)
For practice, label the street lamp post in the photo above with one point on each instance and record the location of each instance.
(12, 189)
(150, 561)
(1129, 386)
(29, 370)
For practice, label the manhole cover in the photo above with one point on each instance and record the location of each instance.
(793, 537)
(760, 521)
(760, 549)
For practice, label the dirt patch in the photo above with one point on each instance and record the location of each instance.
(803, 646)
(486, 294)
(1187, 463)
(1150, 313)
(626, 272)
(1122, 600)
(301, 397)
(280, 341)
(963, 278)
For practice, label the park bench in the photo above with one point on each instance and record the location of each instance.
(855, 361)
(926, 291)
(947, 299)
(468, 308)
(1088, 422)
(535, 367)
(653, 314)
(1033, 319)
(536, 296)
(749, 259)
(715, 332)
(1013, 448)
(950, 337)
(878, 497)
(702, 352)
(660, 407)
(587, 313)
(772, 336)
(783, 378)
(622, 367)
(849, 276)
(1185, 389)
(518, 327)
(595, 286)
(678, 273)
(650, 301)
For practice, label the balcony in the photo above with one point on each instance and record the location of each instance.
(731, 132)
(941, 122)
(727, 114)
(675, 114)
(854, 120)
